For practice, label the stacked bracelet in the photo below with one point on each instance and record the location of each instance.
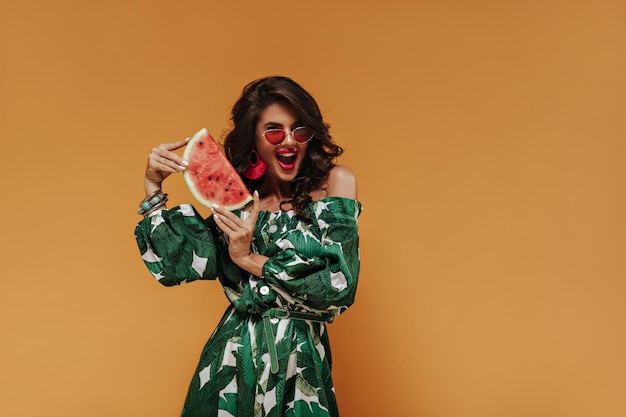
(152, 202)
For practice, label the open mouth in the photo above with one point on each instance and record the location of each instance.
(287, 158)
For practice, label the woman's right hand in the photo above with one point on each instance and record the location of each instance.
(162, 162)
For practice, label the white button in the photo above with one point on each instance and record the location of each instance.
(264, 290)
(260, 398)
(274, 320)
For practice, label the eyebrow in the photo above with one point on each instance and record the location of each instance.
(270, 123)
(295, 124)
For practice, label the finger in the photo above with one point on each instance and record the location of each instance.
(221, 225)
(257, 201)
(220, 222)
(168, 158)
(226, 224)
(177, 164)
(165, 165)
(172, 146)
(161, 165)
(229, 215)
(256, 207)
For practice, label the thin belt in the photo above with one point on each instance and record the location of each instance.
(285, 313)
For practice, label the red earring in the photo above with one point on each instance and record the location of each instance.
(256, 167)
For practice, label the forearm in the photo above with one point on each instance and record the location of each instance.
(178, 248)
(151, 186)
(320, 283)
(252, 263)
(155, 198)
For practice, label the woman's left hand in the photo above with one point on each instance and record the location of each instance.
(239, 231)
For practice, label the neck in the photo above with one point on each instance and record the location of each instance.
(274, 190)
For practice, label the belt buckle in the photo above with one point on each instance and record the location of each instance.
(285, 310)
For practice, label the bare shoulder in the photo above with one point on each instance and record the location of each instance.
(341, 182)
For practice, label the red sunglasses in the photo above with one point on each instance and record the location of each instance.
(300, 134)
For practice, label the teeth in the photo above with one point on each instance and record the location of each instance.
(286, 158)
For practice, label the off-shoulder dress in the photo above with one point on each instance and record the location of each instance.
(269, 355)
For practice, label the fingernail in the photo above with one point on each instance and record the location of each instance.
(185, 163)
(182, 168)
(215, 206)
(256, 193)
(215, 216)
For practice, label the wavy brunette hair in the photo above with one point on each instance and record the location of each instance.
(321, 150)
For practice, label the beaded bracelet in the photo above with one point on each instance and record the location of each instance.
(152, 202)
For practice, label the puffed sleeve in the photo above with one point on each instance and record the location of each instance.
(316, 266)
(177, 246)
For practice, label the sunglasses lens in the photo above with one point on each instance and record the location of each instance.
(274, 136)
(302, 134)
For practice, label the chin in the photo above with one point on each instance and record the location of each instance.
(285, 174)
(286, 177)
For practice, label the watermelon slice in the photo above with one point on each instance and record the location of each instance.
(210, 176)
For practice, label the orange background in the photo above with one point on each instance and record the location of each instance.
(488, 139)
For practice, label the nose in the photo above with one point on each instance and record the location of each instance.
(289, 136)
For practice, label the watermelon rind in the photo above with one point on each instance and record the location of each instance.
(208, 163)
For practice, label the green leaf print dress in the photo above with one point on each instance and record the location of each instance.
(269, 356)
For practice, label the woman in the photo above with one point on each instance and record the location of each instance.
(288, 264)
